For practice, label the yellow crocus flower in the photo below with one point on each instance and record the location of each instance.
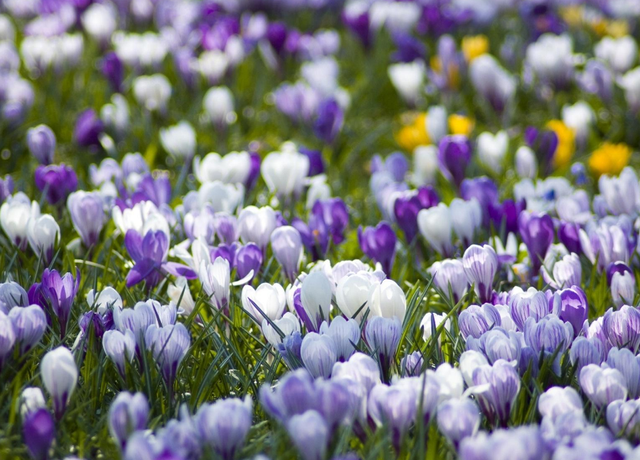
(474, 46)
(412, 135)
(609, 159)
(459, 124)
(566, 143)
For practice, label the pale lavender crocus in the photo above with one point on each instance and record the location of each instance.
(29, 325)
(496, 387)
(128, 413)
(449, 276)
(480, 265)
(169, 345)
(87, 214)
(458, 418)
(602, 386)
(224, 425)
(286, 245)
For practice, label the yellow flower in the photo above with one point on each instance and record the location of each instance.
(572, 15)
(617, 29)
(474, 46)
(459, 124)
(412, 135)
(566, 143)
(609, 159)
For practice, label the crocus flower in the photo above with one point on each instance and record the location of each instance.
(387, 299)
(286, 245)
(571, 306)
(314, 300)
(113, 70)
(602, 386)
(383, 337)
(537, 233)
(156, 189)
(622, 282)
(379, 244)
(407, 206)
(58, 293)
(628, 364)
(42, 143)
(248, 259)
(169, 345)
(458, 418)
(352, 294)
(622, 328)
(480, 265)
(284, 172)
(87, 214)
(549, 335)
(149, 254)
(527, 304)
(624, 417)
(6, 187)
(269, 298)
(59, 375)
(310, 434)
(7, 337)
(255, 225)
(120, 347)
(128, 413)
(345, 334)
(29, 325)
(566, 272)
(39, 431)
(454, 154)
(449, 276)
(56, 181)
(319, 354)
(88, 129)
(43, 233)
(476, 320)
(585, 351)
(224, 425)
(179, 141)
(394, 405)
(435, 225)
(329, 121)
(502, 386)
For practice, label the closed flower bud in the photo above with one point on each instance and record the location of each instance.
(526, 163)
(352, 294)
(169, 345)
(624, 417)
(586, 351)
(395, 406)
(43, 233)
(7, 337)
(525, 304)
(284, 172)
(224, 425)
(179, 141)
(286, 245)
(42, 143)
(255, 225)
(480, 265)
(436, 227)
(571, 306)
(557, 401)
(475, 320)
(119, 347)
(219, 106)
(318, 354)
(128, 413)
(87, 214)
(379, 244)
(602, 386)
(383, 337)
(31, 399)
(501, 384)
(566, 272)
(449, 276)
(315, 297)
(39, 431)
(629, 366)
(267, 300)
(622, 328)
(623, 284)
(29, 325)
(310, 434)
(387, 299)
(288, 324)
(15, 214)
(59, 375)
(345, 334)
(458, 418)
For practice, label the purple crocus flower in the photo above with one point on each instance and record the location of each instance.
(319, 354)
(549, 335)
(597, 78)
(7, 337)
(290, 348)
(585, 351)
(602, 386)
(329, 121)
(501, 384)
(454, 154)
(149, 254)
(335, 216)
(383, 337)
(169, 345)
(155, 189)
(475, 320)
(87, 214)
(286, 245)
(622, 282)
(310, 434)
(628, 364)
(409, 48)
(481, 265)
(277, 36)
(57, 293)
(88, 129)
(294, 394)
(57, 181)
(458, 418)
(113, 70)
(622, 328)
(544, 143)
(128, 413)
(449, 276)
(316, 163)
(536, 230)
(247, 258)
(39, 431)
(484, 190)
(506, 214)
(29, 324)
(357, 21)
(6, 187)
(571, 306)
(379, 244)
(407, 206)
(254, 170)
(224, 425)
(42, 144)
(527, 304)
(569, 235)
